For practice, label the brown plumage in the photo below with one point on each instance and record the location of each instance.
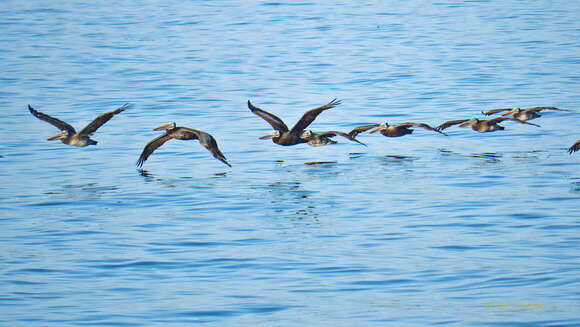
(521, 114)
(392, 130)
(481, 126)
(319, 139)
(282, 135)
(575, 147)
(68, 134)
(181, 133)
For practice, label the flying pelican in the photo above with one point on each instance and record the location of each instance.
(320, 139)
(68, 135)
(521, 114)
(392, 130)
(482, 126)
(281, 134)
(181, 133)
(574, 147)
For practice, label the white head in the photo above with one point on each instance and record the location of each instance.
(381, 126)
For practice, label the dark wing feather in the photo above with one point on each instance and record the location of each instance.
(495, 111)
(53, 121)
(152, 146)
(273, 120)
(422, 125)
(501, 119)
(345, 135)
(450, 123)
(102, 119)
(574, 147)
(210, 144)
(310, 115)
(357, 130)
(536, 109)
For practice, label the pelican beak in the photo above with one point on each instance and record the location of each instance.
(267, 136)
(56, 137)
(508, 113)
(166, 126)
(467, 123)
(376, 129)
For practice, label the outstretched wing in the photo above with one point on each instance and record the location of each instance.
(495, 111)
(345, 135)
(536, 109)
(574, 147)
(310, 115)
(53, 121)
(422, 125)
(102, 119)
(210, 144)
(273, 120)
(357, 130)
(450, 123)
(152, 146)
(501, 119)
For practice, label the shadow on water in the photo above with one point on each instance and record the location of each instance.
(88, 191)
(289, 200)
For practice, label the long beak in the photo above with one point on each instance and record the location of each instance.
(166, 126)
(465, 124)
(508, 113)
(376, 129)
(56, 137)
(267, 136)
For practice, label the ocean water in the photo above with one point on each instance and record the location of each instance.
(467, 229)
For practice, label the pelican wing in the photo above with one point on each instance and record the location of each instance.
(345, 135)
(574, 147)
(209, 143)
(536, 109)
(495, 111)
(357, 130)
(422, 125)
(53, 121)
(273, 120)
(501, 119)
(102, 119)
(450, 123)
(152, 146)
(310, 115)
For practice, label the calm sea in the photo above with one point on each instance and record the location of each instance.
(468, 229)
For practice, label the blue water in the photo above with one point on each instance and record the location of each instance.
(424, 230)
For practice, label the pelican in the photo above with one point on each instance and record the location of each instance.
(181, 133)
(281, 134)
(482, 126)
(392, 130)
(521, 114)
(320, 139)
(574, 147)
(68, 134)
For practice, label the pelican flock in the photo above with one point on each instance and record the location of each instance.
(282, 135)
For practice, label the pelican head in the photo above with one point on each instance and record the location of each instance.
(513, 112)
(380, 127)
(306, 134)
(58, 136)
(270, 135)
(166, 127)
(470, 122)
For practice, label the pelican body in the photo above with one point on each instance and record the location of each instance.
(68, 134)
(392, 130)
(320, 139)
(521, 114)
(282, 135)
(482, 126)
(181, 133)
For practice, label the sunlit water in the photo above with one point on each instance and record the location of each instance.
(424, 230)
